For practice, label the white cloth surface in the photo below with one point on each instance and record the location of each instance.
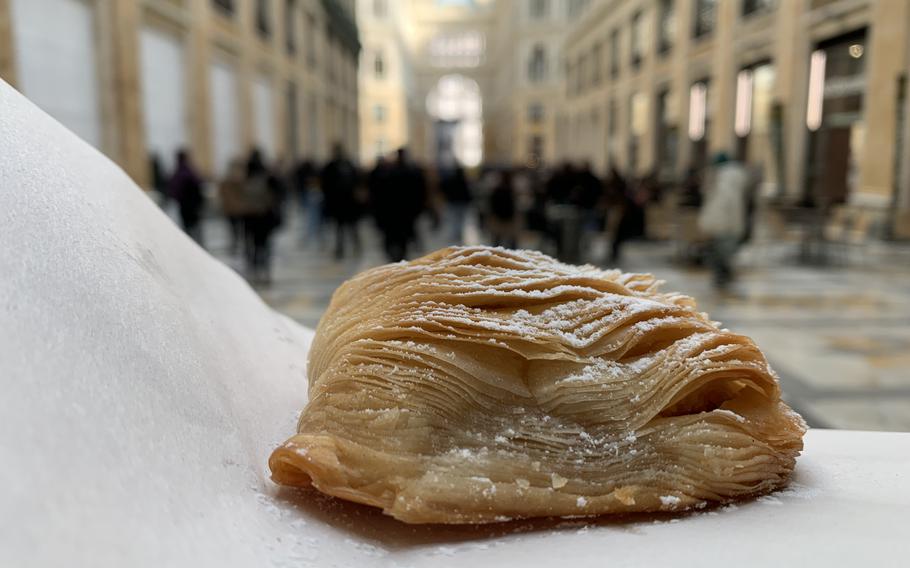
(144, 385)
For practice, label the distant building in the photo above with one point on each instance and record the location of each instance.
(814, 91)
(386, 79)
(424, 77)
(527, 94)
(141, 77)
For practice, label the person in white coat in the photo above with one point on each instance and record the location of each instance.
(723, 216)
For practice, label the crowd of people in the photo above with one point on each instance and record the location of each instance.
(560, 210)
(251, 197)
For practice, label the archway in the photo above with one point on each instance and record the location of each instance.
(456, 107)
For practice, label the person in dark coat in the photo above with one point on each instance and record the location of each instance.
(398, 196)
(630, 206)
(159, 177)
(185, 187)
(691, 188)
(455, 190)
(502, 212)
(559, 186)
(339, 186)
(385, 207)
(263, 195)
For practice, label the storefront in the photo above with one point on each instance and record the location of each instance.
(754, 122)
(834, 117)
(164, 93)
(225, 115)
(57, 62)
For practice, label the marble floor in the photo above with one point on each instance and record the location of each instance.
(838, 336)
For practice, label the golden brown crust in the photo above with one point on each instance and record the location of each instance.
(479, 385)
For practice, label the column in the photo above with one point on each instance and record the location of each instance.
(885, 64)
(723, 83)
(129, 150)
(199, 69)
(7, 57)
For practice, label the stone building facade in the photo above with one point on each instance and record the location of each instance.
(137, 78)
(812, 91)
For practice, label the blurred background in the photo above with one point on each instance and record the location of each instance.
(750, 152)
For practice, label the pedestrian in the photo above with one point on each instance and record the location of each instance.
(722, 217)
(388, 209)
(587, 196)
(629, 204)
(502, 212)
(159, 178)
(263, 198)
(339, 180)
(455, 190)
(233, 202)
(691, 188)
(309, 200)
(185, 187)
(398, 196)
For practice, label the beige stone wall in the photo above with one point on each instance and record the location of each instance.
(527, 32)
(206, 32)
(7, 61)
(383, 34)
(785, 37)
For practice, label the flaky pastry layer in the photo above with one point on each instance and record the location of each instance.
(478, 385)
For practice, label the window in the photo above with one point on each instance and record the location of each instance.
(378, 65)
(380, 8)
(379, 113)
(638, 121)
(698, 110)
(452, 49)
(667, 31)
(757, 6)
(380, 149)
(537, 64)
(614, 53)
(313, 122)
(292, 141)
(666, 132)
(705, 17)
(226, 6)
(611, 128)
(576, 7)
(699, 122)
(611, 117)
(742, 116)
(752, 113)
(310, 40)
(263, 25)
(637, 41)
(583, 74)
(598, 63)
(330, 56)
(290, 29)
(539, 8)
(535, 113)
(535, 149)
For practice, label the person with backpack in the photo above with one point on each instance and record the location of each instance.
(262, 194)
(185, 187)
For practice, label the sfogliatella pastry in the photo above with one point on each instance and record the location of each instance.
(476, 385)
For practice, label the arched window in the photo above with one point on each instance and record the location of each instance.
(537, 64)
(378, 65)
(456, 105)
